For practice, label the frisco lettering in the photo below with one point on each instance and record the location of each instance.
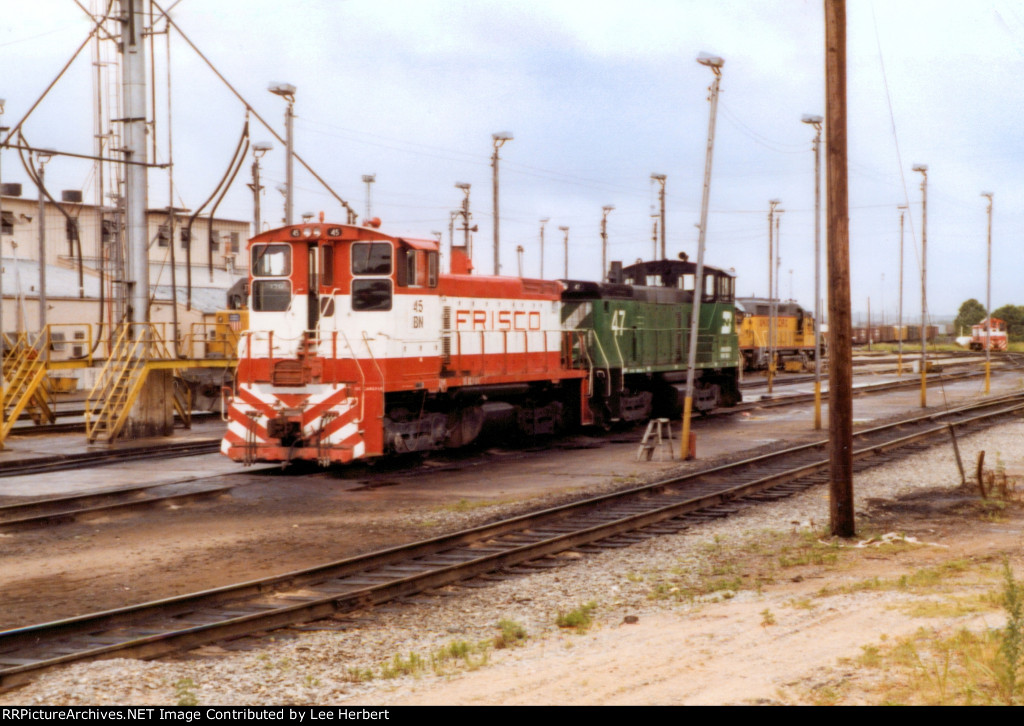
(497, 319)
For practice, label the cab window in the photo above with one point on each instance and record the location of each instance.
(271, 260)
(371, 258)
(271, 295)
(371, 295)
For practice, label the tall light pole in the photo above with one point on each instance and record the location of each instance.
(3, 130)
(923, 168)
(815, 122)
(660, 178)
(542, 223)
(519, 258)
(899, 325)
(715, 64)
(772, 204)
(604, 240)
(988, 297)
(499, 140)
(368, 180)
(258, 150)
(566, 230)
(464, 186)
(42, 157)
(287, 92)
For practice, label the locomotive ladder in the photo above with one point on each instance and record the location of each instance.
(24, 374)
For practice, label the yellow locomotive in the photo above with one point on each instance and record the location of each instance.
(794, 333)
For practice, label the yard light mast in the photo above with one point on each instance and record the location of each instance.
(715, 64)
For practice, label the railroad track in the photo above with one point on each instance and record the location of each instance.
(908, 382)
(61, 462)
(51, 511)
(519, 544)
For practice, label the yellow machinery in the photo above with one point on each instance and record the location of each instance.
(793, 335)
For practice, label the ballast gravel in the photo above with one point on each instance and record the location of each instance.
(329, 665)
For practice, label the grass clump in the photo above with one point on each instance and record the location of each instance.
(184, 692)
(964, 668)
(510, 634)
(579, 619)
(399, 666)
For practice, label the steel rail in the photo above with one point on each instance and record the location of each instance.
(157, 628)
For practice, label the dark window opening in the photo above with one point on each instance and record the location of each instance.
(214, 241)
(371, 258)
(271, 295)
(327, 268)
(109, 232)
(371, 295)
(186, 238)
(8, 223)
(71, 227)
(432, 269)
(163, 236)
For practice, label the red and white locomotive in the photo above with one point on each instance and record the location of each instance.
(358, 346)
(991, 331)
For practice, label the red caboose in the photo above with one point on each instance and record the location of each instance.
(990, 330)
(359, 346)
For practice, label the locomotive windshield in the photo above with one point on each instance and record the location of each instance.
(271, 260)
(371, 258)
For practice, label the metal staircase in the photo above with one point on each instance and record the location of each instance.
(121, 379)
(24, 374)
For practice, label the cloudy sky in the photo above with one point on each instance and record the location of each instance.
(598, 95)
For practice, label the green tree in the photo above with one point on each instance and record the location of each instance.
(1014, 317)
(971, 313)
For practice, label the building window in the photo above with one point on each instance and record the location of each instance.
(232, 244)
(186, 238)
(109, 233)
(163, 236)
(214, 240)
(8, 223)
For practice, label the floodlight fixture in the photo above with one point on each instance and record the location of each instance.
(464, 186)
(711, 61)
(923, 168)
(260, 148)
(607, 208)
(987, 195)
(284, 90)
(658, 177)
(811, 119)
(369, 178)
(502, 136)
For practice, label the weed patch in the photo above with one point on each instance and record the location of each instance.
(579, 619)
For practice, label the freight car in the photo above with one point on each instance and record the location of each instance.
(793, 338)
(359, 346)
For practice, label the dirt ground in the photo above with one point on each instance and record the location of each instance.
(795, 642)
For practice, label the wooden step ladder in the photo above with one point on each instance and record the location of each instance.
(656, 437)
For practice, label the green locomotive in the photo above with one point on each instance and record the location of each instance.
(637, 339)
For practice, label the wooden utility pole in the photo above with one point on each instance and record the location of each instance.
(840, 387)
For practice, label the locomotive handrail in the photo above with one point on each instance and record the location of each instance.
(362, 377)
(383, 383)
(607, 366)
